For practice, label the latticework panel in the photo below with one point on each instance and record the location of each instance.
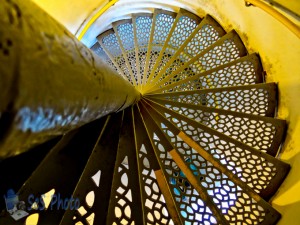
(121, 205)
(125, 33)
(142, 24)
(244, 71)
(258, 170)
(262, 133)
(184, 25)
(237, 206)
(188, 202)
(228, 50)
(184, 28)
(205, 37)
(155, 208)
(110, 44)
(163, 22)
(253, 99)
(125, 200)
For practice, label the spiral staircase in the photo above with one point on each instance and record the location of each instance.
(199, 147)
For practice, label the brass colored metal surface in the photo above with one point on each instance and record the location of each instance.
(227, 49)
(125, 198)
(205, 34)
(100, 162)
(50, 83)
(157, 204)
(257, 99)
(260, 171)
(183, 26)
(242, 190)
(244, 71)
(263, 133)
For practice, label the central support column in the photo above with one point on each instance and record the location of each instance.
(50, 83)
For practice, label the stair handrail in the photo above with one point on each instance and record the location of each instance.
(283, 8)
(277, 15)
(95, 17)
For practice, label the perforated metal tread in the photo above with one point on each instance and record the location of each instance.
(257, 99)
(262, 133)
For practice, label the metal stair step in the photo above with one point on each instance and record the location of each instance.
(157, 206)
(100, 165)
(244, 71)
(262, 133)
(257, 99)
(125, 34)
(162, 23)
(227, 49)
(260, 171)
(207, 32)
(125, 199)
(110, 44)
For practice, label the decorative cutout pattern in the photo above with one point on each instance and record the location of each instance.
(219, 55)
(206, 36)
(96, 178)
(123, 195)
(101, 53)
(192, 208)
(242, 73)
(252, 100)
(253, 132)
(254, 170)
(86, 211)
(126, 34)
(111, 44)
(183, 30)
(163, 25)
(233, 202)
(157, 212)
(143, 30)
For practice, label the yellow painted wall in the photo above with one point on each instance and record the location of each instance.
(280, 53)
(71, 13)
